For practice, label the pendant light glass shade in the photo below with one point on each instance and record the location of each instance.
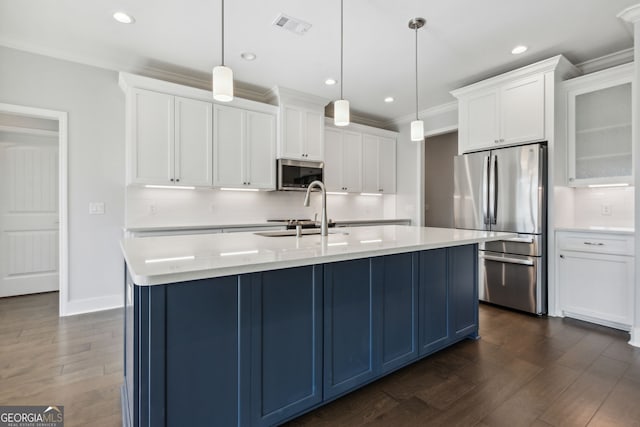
(222, 83)
(222, 76)
(341, 112)
(341, 116)
(417, 130)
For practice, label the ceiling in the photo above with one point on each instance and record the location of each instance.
(464, 41)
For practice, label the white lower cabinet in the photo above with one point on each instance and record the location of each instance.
(595, 277)
(343, 160)
(244, 147)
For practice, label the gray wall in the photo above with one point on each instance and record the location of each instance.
(96, 162)
(439, 153)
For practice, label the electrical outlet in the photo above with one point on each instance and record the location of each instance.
(605, 210)
(153, 209)
(96, 208)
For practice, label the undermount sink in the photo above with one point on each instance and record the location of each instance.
(289, 233)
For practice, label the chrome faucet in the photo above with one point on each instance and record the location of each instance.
(324, 226)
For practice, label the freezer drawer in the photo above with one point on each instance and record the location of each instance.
(523, 244)
(513, 281)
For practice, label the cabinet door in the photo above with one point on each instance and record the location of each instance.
(387, 165)
(370, 163)
(333, 160)
(152, 138)
(463, 290)
(396, 301)
(193, 147)
(479, 121)
(349, 338)
(597, 286)
(286, 343)
(261, 150)
(434, 308)
(522, 111)
(228, 147)
(352, 161)
(314, 135)
(292, 133)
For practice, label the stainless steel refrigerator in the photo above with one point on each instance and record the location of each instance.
(505, 190)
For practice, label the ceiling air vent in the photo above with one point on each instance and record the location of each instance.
(294, 25)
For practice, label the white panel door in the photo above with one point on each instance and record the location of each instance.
(387, 165)
(333, 160)
(228, 147)
(260, 150)
(352, 161)
(152, 137)
(193, 142)
(292, 133)
(370, 163)
(522, 111)
(28, 219)
(479, 121)
(314, 136)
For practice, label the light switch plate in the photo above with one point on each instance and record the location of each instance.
(96, 208)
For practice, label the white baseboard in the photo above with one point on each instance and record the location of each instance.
(635, 336)
(90, 305)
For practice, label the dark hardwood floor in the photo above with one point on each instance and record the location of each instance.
(525, 371)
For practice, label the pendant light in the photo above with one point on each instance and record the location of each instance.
(222, 76)
(417, 126)
(341, 107)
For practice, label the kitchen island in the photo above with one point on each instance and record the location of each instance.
(252, 330)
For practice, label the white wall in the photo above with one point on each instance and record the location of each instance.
(95, 107)
(152, 207)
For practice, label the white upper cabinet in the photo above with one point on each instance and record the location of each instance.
(343, 160)
(512, 108)
(244, 148)
(509, 114)
(170, 140)
(302, 135)
(378, 164)
(599, 137)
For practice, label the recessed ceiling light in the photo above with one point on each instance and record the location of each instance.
(389, 99)
(330, 82)
(123, 18)
(248, 56)
(519, 49)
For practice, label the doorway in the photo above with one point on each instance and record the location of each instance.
(439, 152)
(33, 200)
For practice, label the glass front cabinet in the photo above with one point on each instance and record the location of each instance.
(599, 117)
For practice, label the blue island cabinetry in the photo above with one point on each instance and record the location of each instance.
(261, 348)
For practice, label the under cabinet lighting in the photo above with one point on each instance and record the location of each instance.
(172, 187)
(371, 241)
(238, 253)
(238, 189)
(338, 193)
(338, 244)
(179, 258)
(621, 184)
(371, 194)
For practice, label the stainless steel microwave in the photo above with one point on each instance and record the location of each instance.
(298, 174)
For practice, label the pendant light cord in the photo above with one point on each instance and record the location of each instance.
(223, 33)
(416, 28)
(341, 46)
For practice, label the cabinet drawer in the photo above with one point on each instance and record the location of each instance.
(597, 243)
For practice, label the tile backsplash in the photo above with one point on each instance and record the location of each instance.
(607, 207)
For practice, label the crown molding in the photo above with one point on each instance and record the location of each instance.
(283, 95)
(630, 14)
(429, 112)
(361, 127)
(607, 61)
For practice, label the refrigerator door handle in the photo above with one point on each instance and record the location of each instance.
(493, 189)
(485, 190)
(507, 260)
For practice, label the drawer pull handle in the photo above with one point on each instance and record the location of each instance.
(594, 243)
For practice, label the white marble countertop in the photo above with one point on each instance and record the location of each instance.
(169, 259)
(598, 229)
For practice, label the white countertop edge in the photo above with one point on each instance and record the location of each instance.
(141, 280)
(249, 225)
(602, 230)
